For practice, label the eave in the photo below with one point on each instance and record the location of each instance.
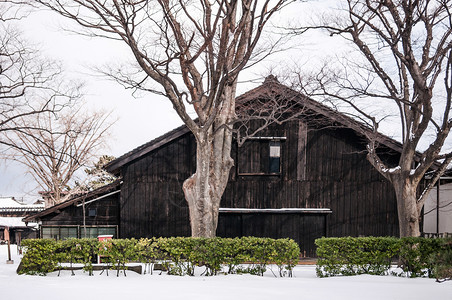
(74, 201)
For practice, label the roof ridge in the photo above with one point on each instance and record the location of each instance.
(270, 84)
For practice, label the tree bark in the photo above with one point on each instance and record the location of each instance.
(408, 213)
(203, 190)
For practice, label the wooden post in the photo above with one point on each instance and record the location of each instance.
(437, 206)
(84, 217)
(9, 261)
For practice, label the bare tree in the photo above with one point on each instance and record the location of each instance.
(194, 52)
(54, 146)
(29, 84)
(405, 47)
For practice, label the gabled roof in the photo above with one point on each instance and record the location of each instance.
(270, 86)
(99, 192)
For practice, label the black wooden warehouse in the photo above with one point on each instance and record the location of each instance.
(302, 179)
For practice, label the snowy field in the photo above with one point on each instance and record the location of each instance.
(304, 285)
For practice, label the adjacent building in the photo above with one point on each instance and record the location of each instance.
(12, 212)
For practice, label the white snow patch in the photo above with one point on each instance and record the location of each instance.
(304, 285)
(10, 202)
(393, 170)
(412, 135)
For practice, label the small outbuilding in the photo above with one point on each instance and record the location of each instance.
(12, 212)
(88, 214)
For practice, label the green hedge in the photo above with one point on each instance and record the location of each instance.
(373, 255)
(45, 255)
(442, 261)
(353, 256)
(414, 255)
(177, 255)
(40, 257)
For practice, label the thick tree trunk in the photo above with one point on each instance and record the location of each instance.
(204, 189)
(408, 212)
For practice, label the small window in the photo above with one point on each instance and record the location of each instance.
(260, 156)
(59, 232)
(94, 232)
(275, 157)
(92, 212)
(51, 233)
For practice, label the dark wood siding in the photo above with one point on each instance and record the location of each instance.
(152, 201)
(302, 228)
(107, 213)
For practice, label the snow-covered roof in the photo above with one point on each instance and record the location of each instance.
(15, 222)
(9, 204)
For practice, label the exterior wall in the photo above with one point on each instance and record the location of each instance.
(303, 228)
(319, 169)
(444, 222)
(152, 202)
(336, 175)
(11, 214)
(107, 214)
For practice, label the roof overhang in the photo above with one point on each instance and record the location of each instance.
(96, 194)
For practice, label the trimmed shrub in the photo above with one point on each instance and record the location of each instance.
(352, 256)
(442, 261)
(176, 252)
(41, 257)
(414, 255)
(77, 251)
(285, 256)
(182, 255)
(148, 253)
(373, 255)
(118, 252)
(178, 255)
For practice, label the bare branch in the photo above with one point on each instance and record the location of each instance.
(55, 145)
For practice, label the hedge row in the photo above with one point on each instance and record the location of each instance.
(416, 256)
(178, 255)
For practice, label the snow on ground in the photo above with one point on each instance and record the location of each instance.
(304, 285)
